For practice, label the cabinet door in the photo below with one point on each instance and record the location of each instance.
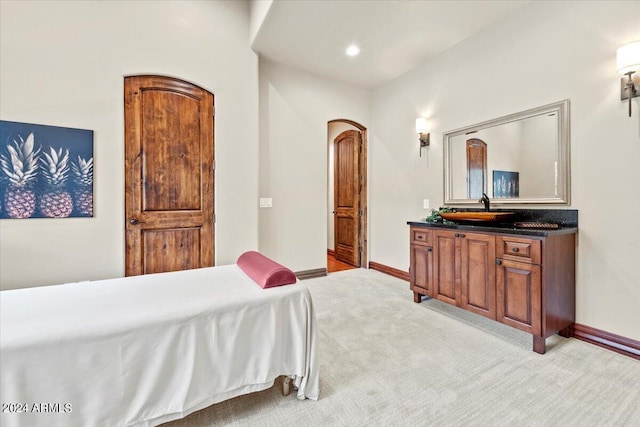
(478, 273)
(422, 270)
(445, 266)
(518, 295)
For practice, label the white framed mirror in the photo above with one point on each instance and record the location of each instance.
(522, 158)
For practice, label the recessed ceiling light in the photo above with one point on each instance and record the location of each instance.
(352, 50)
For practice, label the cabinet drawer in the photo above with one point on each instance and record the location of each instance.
(420, 236)
(518, 249)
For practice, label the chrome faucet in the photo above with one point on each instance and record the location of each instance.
(486, 201)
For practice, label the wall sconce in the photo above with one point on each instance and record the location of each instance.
(628, 61)
(421, 128)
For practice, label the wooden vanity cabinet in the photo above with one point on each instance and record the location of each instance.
(524, 282)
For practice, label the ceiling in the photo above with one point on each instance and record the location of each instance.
(394, 36)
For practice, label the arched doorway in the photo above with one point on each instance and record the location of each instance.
(476, 168)
(347, 219)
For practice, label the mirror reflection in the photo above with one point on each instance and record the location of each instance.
(521, 158)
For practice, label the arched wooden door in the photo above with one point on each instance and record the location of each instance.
(346, 152)
(169, 153)
(476, 168)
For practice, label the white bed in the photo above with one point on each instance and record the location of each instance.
(144, 350)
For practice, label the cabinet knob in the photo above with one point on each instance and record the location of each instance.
(498, 261)
(457, 235)
(429, 249)
(419, 237)
(462, 235)
(515, 249)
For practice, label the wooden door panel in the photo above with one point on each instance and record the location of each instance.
(169, 179)
(421, 259)
(346, 152)
(476, 168)
(345, 231)
(478, 274)
(170, 250)
(445, 266)
(347, 197)
(519, 296)
(170, 171)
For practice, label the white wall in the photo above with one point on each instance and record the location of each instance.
(63, 64)
(258, 10)
(544, 52)
(295, 108)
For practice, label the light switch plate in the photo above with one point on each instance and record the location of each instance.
(265, 202)
(425, 203)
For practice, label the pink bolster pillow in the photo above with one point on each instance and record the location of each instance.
(264, 271)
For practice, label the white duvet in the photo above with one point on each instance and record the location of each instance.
(143, 350)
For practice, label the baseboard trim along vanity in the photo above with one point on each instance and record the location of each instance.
(521, 277)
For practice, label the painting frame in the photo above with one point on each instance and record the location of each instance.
(506, 184)
(45, 171)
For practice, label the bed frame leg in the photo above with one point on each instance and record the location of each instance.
(286, 385)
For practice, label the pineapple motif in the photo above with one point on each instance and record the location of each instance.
(21, 169)
(56, 201)
(83, 179)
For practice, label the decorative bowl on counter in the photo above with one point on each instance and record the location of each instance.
(476, 216)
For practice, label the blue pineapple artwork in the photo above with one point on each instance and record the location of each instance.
(45, 171)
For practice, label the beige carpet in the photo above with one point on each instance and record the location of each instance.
(386, 361)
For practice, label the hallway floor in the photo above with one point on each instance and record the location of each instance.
(334, 265)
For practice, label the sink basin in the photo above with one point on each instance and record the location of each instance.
(476, 216)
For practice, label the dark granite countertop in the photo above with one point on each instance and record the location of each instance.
(566, 219)
(508, 228)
